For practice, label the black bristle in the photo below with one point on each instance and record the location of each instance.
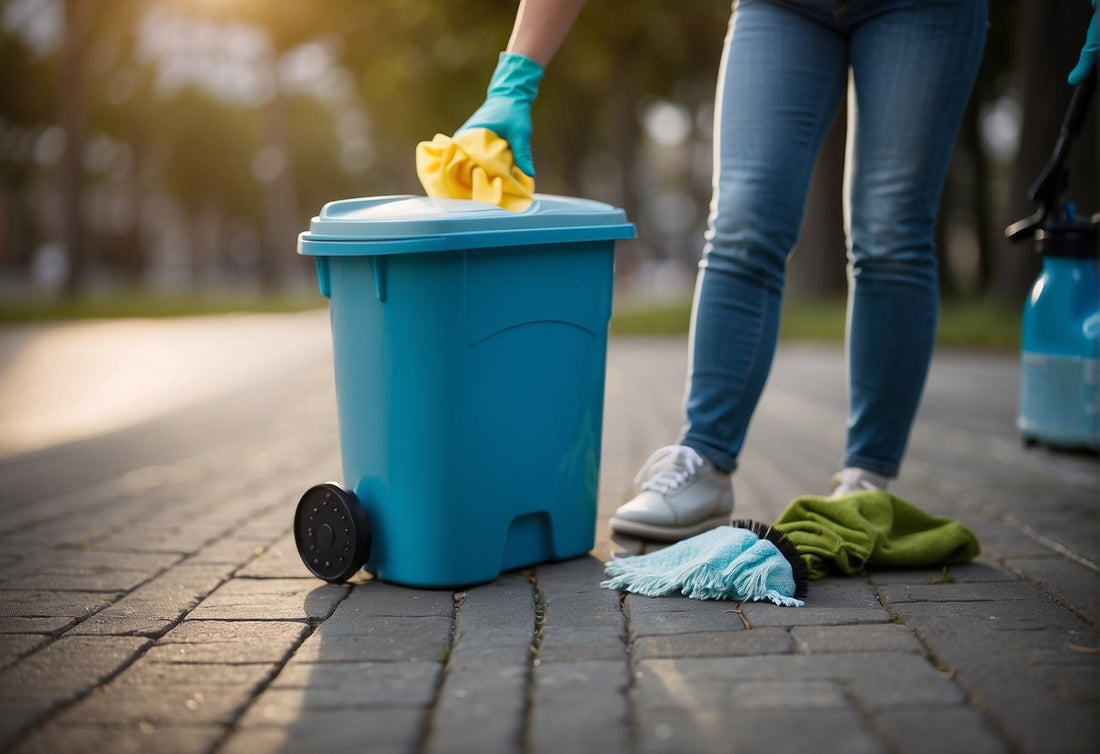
(785, 546)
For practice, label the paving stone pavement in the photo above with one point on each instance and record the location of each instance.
(152, 600)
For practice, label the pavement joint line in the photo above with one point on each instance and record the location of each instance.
(122, 596)
(895, 616)
(1056, 546)
(1046, 592)
(537, 618)
(632, 672)
(868, 715)
(127, 484)
(138, 482)
(425, 737)
(155, 635)
(1008, 519)
(968, 499)
(1007, 451)
(973, 698)
(977, 703)
(541, 607)
(277, 668)
(58, 709)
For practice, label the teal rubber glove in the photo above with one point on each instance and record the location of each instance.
(1088, 53)
(507, 108)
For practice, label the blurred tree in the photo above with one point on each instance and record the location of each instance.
(1048, 39)
(65, 88)
(320, 173)
(206, 159)
(613, 66)
(22, 119)
(287, 25)
(72, 101)
(120, 105)
(394, 72)
(423, 68)
(610, 66)
(969, 199)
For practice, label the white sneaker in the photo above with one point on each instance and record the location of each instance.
(852, 479)
(682, 495)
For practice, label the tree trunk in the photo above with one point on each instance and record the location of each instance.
(72, 114)
(626, 132)
(817, 266)
(1049, 38)
(948, 280)
(279, 263)
(980, 199)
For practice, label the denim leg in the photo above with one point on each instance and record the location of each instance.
(913, 66)
(781, 80)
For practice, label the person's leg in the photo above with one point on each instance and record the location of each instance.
(913, 66)
(782, 77)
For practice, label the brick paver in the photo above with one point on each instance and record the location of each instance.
(161, 606)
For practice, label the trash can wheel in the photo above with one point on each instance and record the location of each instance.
(332, 532)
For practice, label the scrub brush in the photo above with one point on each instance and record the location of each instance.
(786, 548)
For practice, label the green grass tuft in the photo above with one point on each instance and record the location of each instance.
(943, 578)
(970, 324)
(667, 319)
(135, 305)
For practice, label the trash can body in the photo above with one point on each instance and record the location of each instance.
(469, 369)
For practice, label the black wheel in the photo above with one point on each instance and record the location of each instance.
(332, 532)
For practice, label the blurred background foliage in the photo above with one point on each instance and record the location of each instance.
(166, 148)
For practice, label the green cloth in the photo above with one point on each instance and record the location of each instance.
(872, 529)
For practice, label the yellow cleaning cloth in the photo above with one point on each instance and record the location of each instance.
(476, 164)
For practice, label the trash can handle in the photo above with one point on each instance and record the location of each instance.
(324, 279)
(377, 271)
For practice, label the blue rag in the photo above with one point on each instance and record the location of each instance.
(727, 563)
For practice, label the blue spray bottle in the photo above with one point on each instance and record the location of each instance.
(1059, 361)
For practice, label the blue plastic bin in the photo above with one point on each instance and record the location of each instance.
(469, 346)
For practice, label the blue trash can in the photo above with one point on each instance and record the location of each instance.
(470, 346)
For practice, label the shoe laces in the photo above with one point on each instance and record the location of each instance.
(673, 465)
(856, 480)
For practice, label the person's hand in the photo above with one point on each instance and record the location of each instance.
(1088, 53)
(507, 108)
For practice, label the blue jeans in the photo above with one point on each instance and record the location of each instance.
(909, 66)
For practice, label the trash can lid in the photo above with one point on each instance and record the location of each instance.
(410, 224)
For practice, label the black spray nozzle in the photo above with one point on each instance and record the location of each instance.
(1054, 177)
(1052, 180)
